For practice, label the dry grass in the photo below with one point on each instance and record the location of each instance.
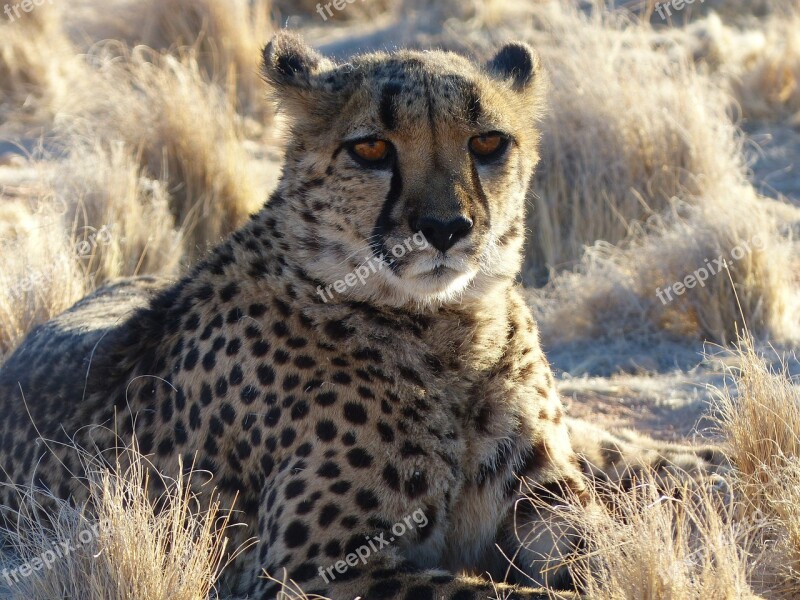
(767, 85)
(618, 148)
(643, 544)
(178, 128)
(615, 293)
(36, 60)
(224, 38)
(124, 549)
(730, 536)
(760, 419)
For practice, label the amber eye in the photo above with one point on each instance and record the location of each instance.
(371, 150)
(488, 144)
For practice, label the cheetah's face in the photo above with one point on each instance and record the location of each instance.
(421, 159)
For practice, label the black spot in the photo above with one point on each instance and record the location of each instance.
(326, 431)
(221, 389)
(329, 470)
(305, 572)
(340, 487)
(190, 362)
(166, 447)
(257, 310)
(419, 592)
(391, 477)
(267, 465)
(342, 378)
(338, 330)
(366, 500)
(272, 417)
(227, 413)
(290, 382)
(355, 413)
(305, 362)
(384, 590)
(325, 398)
(230, 291)
(260, 348)
(333, 549)
(417, 485)
(248, 395)
(287, 437)
(237, 376)
(206, 395)
(386, 432)
(194, 417)
(266, 375)
(296, 534)
(328, 514)
(359, 458)
(215, 427)
(294, 489)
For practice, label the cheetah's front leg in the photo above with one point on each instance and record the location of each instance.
(331, 539)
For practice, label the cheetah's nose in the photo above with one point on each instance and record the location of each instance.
(442, 234)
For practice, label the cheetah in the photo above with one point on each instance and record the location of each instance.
(333, 411)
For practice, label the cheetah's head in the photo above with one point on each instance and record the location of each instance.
(422, 159)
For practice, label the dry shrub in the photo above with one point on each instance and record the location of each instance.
(628, 130)
(767, 85)
(225, 38)
(133, 550)
(99, 219)
(643, 544)
(760, 420)
(39, 275)
(615, 293)
(121, 220)
(36, 63)
(180, 129)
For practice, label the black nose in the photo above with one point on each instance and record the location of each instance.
(442, 234)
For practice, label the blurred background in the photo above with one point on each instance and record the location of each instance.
(135, 134)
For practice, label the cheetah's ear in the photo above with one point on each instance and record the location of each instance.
(290, 63)
(517, 63)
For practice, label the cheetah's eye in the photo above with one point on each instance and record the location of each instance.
(488, 145)
(372, 151)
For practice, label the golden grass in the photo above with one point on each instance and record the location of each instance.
(643, 544)
(767, 85)
(618, 148)
(124, 548)
(616, 290)
(224, 38)
(36, 59)
(180, 129)
(732, 535)
(760, 419)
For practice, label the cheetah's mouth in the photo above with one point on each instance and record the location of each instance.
(441, 269)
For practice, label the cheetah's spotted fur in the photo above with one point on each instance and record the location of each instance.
(424, 388)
